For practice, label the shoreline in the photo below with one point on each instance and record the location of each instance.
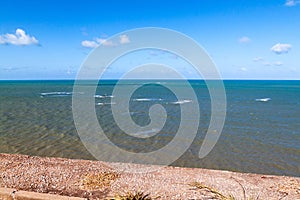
(101, 180)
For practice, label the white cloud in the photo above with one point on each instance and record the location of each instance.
(96, 43)
(123, 39)
(291, 3)
(244, 69)
(2, 41)
(19, 38)
(70, 71)
(278, 63)
(12, 68)
(89, 44)
(267, 64)
(244, 39)
(281, 48)
(105, 42)
(258, 59)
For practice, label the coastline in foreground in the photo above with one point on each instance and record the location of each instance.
(101, 180)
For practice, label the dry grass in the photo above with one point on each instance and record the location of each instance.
(98, 181)
(218, 194)
(132, 196)
(209, 189)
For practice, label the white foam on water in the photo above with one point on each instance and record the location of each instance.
(181, 102)
(161, 83)
(98, 96)
(102, 104)
(146, 133)
(148, 99)
(103, 96)
(263, 99)
(56, 94)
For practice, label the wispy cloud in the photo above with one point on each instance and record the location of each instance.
(267, 63)
(8, 69)
(244, 69)
(18, 38)
(95, 43)
(258, 59)
(89, 44)
(2, 41)
(281, 48)
(123, 39)
(291, 3)
(70, 71)
(244, 39)
(84, 31)
(278, 63)
(105, 42)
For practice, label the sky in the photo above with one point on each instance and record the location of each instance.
(50, 39)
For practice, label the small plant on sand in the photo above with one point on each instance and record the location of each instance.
(209, 189)
(132, 196)
(218, 194)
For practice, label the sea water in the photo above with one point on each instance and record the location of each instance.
(261, 132)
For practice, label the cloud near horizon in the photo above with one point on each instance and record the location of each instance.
(267, 63)
(20, 38)
(123, 39)
(281, 48)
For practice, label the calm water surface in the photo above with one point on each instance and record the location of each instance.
(261, 132)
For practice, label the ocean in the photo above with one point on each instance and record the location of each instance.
(261, 133)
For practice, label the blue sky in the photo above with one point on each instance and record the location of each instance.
(49, 39)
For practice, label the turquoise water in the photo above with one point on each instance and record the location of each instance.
(261, 132)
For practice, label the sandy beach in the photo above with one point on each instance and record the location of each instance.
(100, 180)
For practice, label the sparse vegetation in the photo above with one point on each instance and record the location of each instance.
(132, 196)
(97, 181)
(209, 189)
(218, 194)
